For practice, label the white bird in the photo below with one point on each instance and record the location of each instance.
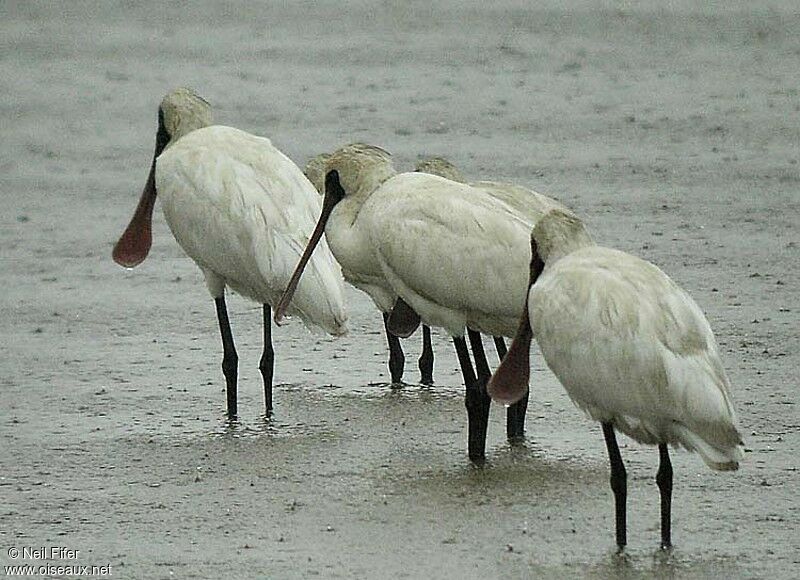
(533, 206)
(429, 249)
(315, 172)
(243, 212)
(631, 348)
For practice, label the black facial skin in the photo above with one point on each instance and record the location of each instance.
(162, 136)
(333, 188)
(537, 265)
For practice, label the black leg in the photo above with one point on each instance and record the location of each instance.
(426, 358)
(500, 346)
(477, 403)
(397, 360)
(664, 481)
(464, 361)
(230, 360)
(267, 364)
(515, 414)
(481, 364)
(515, 419)
(619, 483)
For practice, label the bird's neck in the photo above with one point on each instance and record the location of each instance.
(348, 241)
(371, 180)
(566, 247)
(186, 124)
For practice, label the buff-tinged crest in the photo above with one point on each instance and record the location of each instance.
(362, 168)
(315, 171)
(441, 167)
(184, 111)
(559, 233)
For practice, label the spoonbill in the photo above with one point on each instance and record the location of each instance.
(315, 171)
(532, 205)
(631, 348)
(427, 249)
(243, 212)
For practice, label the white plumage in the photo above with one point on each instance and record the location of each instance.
(243, 212)
(629, 345)
(441, 246)
(315, 171)
(531, 204)
(632, 348)
(446, 249)
(455, 254)
(346, 234)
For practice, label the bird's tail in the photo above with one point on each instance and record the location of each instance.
(319, 299)
(724, 457)
(320, 294)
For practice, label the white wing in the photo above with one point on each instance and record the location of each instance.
(630, 346)
(529, 203)
(455, 254)
(244, 212)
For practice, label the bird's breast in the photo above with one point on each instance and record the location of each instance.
(350, 245)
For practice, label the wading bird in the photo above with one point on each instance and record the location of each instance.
(243, 212)
(530, 204)
(428, 250)
(631, 348)
(315, 171)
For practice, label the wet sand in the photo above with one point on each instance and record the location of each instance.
(673, 131)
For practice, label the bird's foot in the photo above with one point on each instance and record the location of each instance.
(478, 462)
(516, 440)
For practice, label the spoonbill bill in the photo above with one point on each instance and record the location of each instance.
(631, 348)
(533, 206)
(426, 249)
(243, 212)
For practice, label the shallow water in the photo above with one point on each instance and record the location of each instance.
(672, 130)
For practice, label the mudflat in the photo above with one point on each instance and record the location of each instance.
(672, 129)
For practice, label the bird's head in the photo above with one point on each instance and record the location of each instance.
(181, 111)
(315, 171)
(353, 171)
(360, 168)
(441, 167)
(558, 233)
